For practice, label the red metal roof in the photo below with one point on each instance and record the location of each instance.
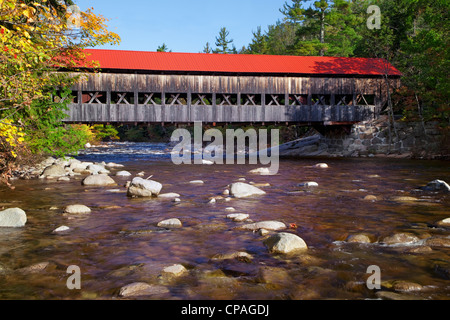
(238, 63)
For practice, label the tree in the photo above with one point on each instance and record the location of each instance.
(207, 48)
(345, 22)
(293, 13)
(325, 27)
(36, 39)
(223, 43)
(413, 36)
(163, 48)
(258, 44)
(312, 21)
(277, 40)
(44, 131)
(424, 59)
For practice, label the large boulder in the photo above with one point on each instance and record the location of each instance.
(54, 171)
(98, 180)
(284, 242)
(144, 188)
(242, 190)
(13, 218)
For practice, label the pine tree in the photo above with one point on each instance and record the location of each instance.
(223, 43)
(163, 48)
(312, 21)
(259, 43)
(207, 48)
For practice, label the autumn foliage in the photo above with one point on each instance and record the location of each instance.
(37, 38)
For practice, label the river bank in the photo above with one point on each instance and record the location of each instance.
(375, 138)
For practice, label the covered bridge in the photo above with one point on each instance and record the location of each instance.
(165, 87)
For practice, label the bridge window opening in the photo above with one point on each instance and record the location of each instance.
(275, 100)
(344, 100)
(176, 99)
(367, 100)
(93, 97)
(251, 99)
(74, 97)
(150, 98)
(226, 99)
(122, 97)
(298, 99)
(201, 99)
(321, 99)
(59, 98)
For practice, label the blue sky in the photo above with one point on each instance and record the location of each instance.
(184, 25)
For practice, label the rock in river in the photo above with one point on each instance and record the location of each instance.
(123, 173)
(242, 190)
(114, 165)
(13, 218)
(54, 171)
(400, 238)
(196, 182)
(61, 229)
(444, 223)
(261, 171)
(136, 289)
(98, 180)
(284, 242)
(175, 270)
(308, 184)
(170, 223)
(169, 195)
(144, 188)
(268, 225)
(437, 185)
(77, 209)
(358, 238)
(238, 217)
(438, 241)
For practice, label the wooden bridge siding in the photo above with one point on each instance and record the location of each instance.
(148, 114)
(228, 84)
(210, 84)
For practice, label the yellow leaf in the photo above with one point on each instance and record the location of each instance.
(27, 13)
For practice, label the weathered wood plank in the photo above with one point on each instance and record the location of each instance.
(102, 113)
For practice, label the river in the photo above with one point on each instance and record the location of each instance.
(119, 242)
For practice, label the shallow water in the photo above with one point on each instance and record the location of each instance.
(119, 242)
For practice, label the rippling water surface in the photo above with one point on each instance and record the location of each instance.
(119, 242)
